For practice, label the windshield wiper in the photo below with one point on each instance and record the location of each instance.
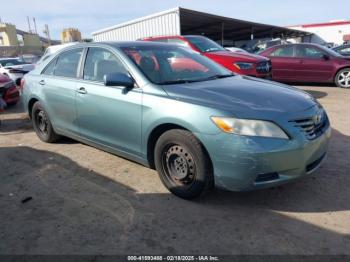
(184, 81)
(181, 81)
(216, 77)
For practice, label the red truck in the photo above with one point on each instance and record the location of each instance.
(242, 63)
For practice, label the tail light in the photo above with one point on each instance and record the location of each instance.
(22, 82)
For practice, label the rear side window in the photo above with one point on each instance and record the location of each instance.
(286, 51)
(68, 62)
(100, 62)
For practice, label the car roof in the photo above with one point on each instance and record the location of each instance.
(120, 44)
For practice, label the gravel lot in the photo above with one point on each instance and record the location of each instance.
(85, 201)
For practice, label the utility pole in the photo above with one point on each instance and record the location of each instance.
(30, 30)
(35, 30)
(47, 33)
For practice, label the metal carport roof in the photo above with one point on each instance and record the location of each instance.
(190, 22)
(219, 27)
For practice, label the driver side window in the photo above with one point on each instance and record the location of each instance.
(308, 52)
(100, 62)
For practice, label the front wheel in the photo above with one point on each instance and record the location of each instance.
(342, 79)
(183, 164)
(42, 124)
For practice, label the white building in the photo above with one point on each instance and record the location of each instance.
(184, 21)
(336, 32)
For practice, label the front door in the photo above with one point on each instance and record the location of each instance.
(110, 116)
(314, 66)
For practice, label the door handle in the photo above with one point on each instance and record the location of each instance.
(42, 82)
(82, 90)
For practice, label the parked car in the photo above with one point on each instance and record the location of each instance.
(14, 67)
(197, 126)
(242, 63)
(343, 49)
(29, 58)
(256, 45)
(308, 63)
(263, 45)
(52, 50)
(8, 90)
(235, 49)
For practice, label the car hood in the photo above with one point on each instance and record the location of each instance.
(244, 96)
(245, 57)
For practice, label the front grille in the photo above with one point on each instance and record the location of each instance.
(266, 177)
(314, 126)
(13, 95)
(263, 67)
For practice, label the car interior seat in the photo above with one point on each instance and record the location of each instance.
(148, 66)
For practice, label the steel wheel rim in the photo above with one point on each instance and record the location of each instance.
(344, 79)
(178, 165)
(42, 122)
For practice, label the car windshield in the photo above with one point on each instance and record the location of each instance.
(330, 51)
(11, 62)
(204, 44)
(169, 64)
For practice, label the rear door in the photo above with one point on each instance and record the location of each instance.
(110, 116)
(313, 65)
(59, 87)
(283, 63)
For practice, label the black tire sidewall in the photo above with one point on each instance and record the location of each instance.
(203, 178)
(51, 135)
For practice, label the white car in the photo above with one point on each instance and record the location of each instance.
(236, 49)
(52, 50)
(14, 68)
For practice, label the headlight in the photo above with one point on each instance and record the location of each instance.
(249, 127)
(243, 66)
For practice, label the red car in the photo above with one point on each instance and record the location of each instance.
(8, 90)
(308, 63)
(242, 63)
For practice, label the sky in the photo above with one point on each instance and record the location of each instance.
(89, 16)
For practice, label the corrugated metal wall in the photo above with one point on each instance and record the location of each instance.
(162, 24)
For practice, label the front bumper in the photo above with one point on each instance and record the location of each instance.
(244, 163)
(11, 96)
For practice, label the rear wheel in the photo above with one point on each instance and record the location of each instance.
(342, 78)
(182, 164)
(42, 124)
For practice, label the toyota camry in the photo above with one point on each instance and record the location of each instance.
(169, 108)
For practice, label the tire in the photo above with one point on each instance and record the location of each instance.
(342, 79)
(183, 164)
(42, 124)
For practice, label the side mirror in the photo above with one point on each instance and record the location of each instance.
(118, 79)
(326, 57)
